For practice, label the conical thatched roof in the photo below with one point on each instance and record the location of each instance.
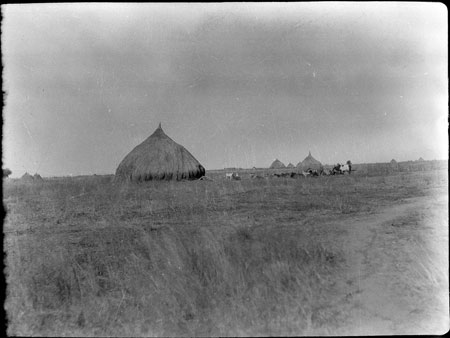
(37, 177)
(159, 158)
(310, 163)
(290, 165)
(27, 177)
(421, 159)
(393, 164)
(277, 164)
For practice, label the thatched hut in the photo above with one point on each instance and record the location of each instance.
(310, 163)
(393, 164)
(277, 164)
(27, 177)
(6, 172)
(37, 177)
(290, 165)
(159, 158)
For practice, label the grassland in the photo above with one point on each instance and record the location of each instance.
(281, 256)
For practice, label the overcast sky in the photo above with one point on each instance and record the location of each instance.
(238, 84)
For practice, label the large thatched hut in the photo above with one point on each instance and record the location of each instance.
(310, 163)
(159, 158)
(277, 164)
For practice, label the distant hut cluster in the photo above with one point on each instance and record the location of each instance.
(31, 178)
(311, 167)
(309, 163)
(159, 158)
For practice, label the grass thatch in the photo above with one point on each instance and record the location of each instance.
(27, 177)
(159, 158)
(310, 163)
(277, 164)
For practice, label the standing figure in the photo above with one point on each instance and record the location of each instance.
(349, 163)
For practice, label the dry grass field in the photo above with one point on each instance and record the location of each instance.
(335, 255)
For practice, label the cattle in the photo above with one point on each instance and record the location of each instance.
(313, 172)
(336, 169)
(341, 169)
(310, 172)
(306, 173)
(232, 176)
(286, 175)
(254, 176)
(326, 172)
(345, 168)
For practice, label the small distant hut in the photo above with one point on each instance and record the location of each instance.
(27, 177)
(290, 166)
(277, 164)
(393, 164)
(37, 177)
(310, 163)
(6, 172)
(159, 158)
(421, 159)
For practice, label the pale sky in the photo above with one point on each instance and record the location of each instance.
(237, 84)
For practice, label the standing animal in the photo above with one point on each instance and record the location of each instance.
(345, 168)
(306, 173)
(232, 176)
(341, 169)
(336, 169)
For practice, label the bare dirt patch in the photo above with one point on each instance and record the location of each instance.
(397, 270)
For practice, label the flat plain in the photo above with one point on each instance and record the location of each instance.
(331, 255)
